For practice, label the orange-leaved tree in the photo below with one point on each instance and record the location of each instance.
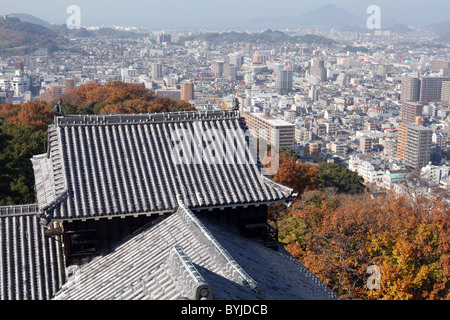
(35, 114)
(338, 237)
(294, 174)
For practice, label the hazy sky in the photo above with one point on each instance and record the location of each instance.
(175, 13)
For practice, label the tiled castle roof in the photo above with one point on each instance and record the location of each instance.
(180, 255)
(31, 263)
(131, 164)
(105, 166)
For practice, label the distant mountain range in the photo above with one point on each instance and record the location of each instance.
(22, 33)
(329, 16)
(25, 17)
(20, 37)
(326, 17)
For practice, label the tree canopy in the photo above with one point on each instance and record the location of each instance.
(338, 237)
(335, 176)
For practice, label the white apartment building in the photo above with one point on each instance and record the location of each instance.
(434, 174)
(268, 127)
(371, 173)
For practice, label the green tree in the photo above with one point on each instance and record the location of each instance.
(289, 152)
(335, 176)
(18, 143)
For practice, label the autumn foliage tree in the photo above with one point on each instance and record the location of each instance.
(118, 97)
(35, 114)
(294, 174)
(338, 237)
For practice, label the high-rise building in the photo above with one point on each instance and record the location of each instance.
(70, 84)
(229, 72)
(236, 60)
(411, 110)
(217, 67)
(162, 37)
(187, 90)
(318, 70)
(414, 144)
(445, 94)
(19, 65)
(129, 75)
(53, 93)
(267, 127)
(438, 64)
(422, 89)
(342, 80)
(258, 58)
(313, 93)
(283, 81)
(431, 88)
(401, 140)
(156, 71)
(410, 89)
(382, 70)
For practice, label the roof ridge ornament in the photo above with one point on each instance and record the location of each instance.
(183, 268)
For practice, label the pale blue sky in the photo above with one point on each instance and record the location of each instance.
(175, 13)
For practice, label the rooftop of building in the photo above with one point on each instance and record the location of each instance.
(272, 120)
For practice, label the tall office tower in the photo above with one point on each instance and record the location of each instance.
(20, 85)
(162, 37)
(217, 67)
(411, 110)
(187, 90)
(229, 72)
(318, 70)
(283, 81)
(156, 71)
(438, 64)
(410, 90)
(236, 60)
(128, 74)
(414, 144)
(431, 88)
(445, 94)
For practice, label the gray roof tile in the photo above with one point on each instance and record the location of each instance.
(115, 165)
(31, 264)
(150, 274)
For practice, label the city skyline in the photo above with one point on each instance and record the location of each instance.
(230, 14)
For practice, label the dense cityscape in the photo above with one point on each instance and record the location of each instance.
(338, 105)
(373, 101)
